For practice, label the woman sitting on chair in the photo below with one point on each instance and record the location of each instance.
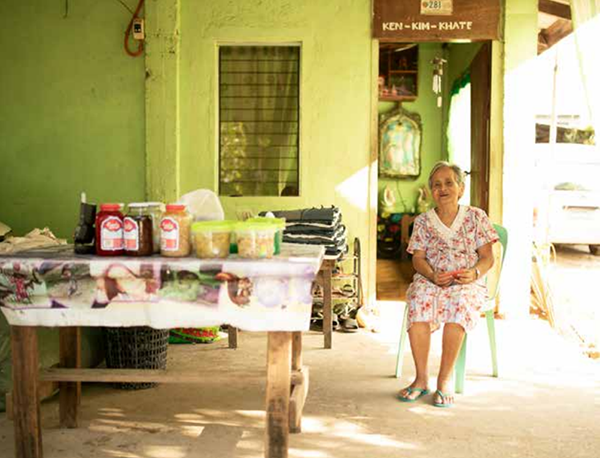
(451, 246)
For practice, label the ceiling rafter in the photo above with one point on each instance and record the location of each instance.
(554, 8)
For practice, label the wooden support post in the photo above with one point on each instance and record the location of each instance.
(296, 351)
(70, 392)
(26, 401)
(297, 400)
(295, 407)
(278, 394)
(232, 336)
(326, 269)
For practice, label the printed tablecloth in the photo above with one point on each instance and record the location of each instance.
(55, 287)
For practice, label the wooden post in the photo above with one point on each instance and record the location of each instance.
(232, 336)
(296, 351)
(299, 391)
(26, 401)
(278, 394)
(70, 392)
(327, 267)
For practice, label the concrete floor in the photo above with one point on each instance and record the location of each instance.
(546, 403)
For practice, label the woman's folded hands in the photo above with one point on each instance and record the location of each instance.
(462, 277)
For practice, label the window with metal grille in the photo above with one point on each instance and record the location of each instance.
(259, 120)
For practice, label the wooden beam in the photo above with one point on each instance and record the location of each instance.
(553, 34)
(26, 399)
(70, 392)
(151, 375)
(279, 365)
(297, 400)
(555, 9)
(232, 336)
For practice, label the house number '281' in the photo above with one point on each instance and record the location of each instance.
(436, 7)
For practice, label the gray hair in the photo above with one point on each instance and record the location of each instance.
(458, 173)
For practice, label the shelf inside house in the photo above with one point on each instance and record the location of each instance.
(398, 71)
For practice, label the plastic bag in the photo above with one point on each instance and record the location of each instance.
(203, 205)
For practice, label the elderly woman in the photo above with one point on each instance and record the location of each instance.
(451, 246)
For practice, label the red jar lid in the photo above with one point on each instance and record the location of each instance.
(175, 207)
(110, 207)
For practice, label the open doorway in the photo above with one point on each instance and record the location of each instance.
(457, 129)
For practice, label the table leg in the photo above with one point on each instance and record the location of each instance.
(70, 392)
(278, 394)
(299, 390)
(232, 336)
(26, 401)
(327, 308)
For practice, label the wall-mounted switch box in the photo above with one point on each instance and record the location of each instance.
(138, 28)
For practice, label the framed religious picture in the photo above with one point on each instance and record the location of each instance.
(400, 133)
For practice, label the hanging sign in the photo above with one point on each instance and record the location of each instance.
(436, 20)
(436, 7)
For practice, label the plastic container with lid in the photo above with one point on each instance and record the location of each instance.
(137, 231)
(212, 238)
(278, 223)
(109, 230)
(255, 240)
(156, 210)
(175, 231)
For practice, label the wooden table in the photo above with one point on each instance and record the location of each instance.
(286, 377)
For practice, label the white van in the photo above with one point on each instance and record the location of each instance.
(570, 198)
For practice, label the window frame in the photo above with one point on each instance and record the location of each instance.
(299, 161)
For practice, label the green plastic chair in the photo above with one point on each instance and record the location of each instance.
(488, 308)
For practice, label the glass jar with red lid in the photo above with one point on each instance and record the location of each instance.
(175, 235)
(109, 230)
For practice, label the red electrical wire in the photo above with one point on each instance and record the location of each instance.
(128, 31)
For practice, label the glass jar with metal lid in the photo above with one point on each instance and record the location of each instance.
(156, 210)
(137, 227)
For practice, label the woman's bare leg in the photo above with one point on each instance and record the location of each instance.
(420, 340)
(452, 340)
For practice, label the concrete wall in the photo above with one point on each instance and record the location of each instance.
(520, 50)
(71, 120)
(71, 112)
(336, 86)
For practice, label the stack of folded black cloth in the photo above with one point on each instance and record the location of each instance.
(315, 226)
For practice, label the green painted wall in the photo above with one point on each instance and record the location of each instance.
(71, 120)
(72, 112)
(431, 117)
(335, 99)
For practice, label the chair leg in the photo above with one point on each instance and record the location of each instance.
(459, 368)
(402, 343)
(489, 316)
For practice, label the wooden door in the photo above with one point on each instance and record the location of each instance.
(481, 79)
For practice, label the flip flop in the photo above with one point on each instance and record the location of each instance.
(442, 395)
(422, 392)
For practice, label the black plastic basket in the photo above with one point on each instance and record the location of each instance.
(138, 347)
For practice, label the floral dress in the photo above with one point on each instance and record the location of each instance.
(448, 249)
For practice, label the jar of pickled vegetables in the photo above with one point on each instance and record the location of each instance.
(175, 224)
(137, 227)
(278, 223)
(212, 238)
(255, 240)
